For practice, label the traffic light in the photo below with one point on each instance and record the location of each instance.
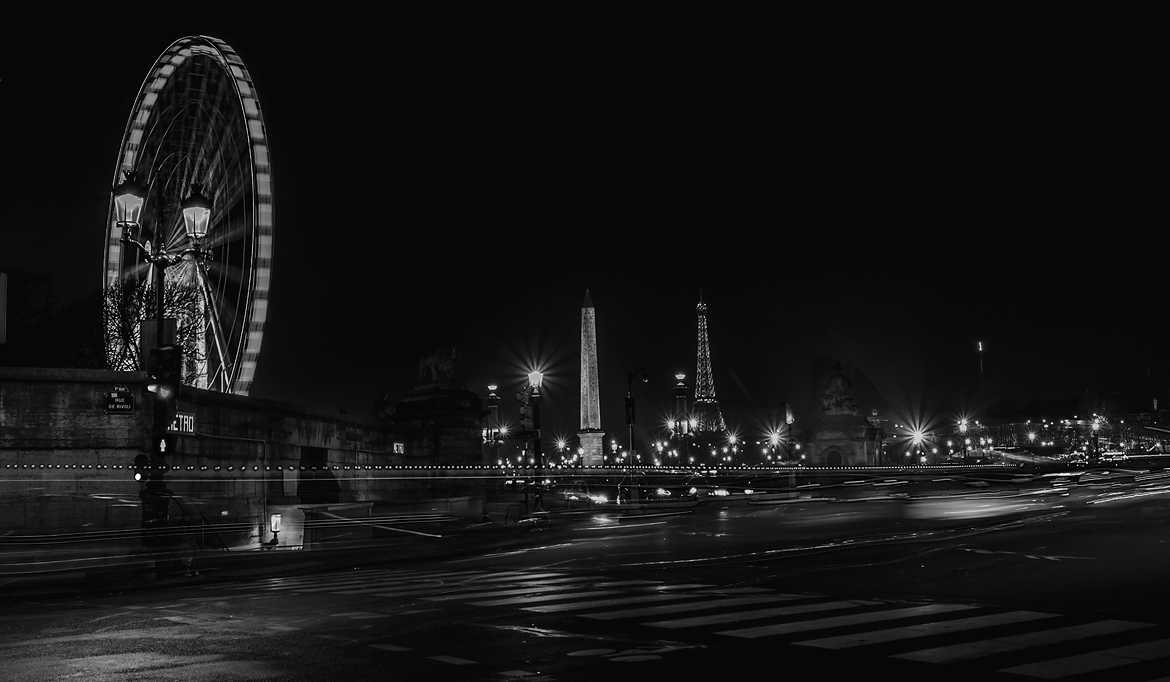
(141, 465)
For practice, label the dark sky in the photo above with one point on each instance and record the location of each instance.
(886, 201)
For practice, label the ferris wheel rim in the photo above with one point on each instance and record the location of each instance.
(260, 213)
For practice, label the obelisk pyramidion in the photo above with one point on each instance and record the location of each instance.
(591, 437)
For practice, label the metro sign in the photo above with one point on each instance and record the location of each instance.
(184, 422)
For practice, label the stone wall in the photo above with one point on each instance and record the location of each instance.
(68, 464)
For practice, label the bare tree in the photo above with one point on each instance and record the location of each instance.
(126, 306)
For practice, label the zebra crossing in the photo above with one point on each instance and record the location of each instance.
(1026, 643)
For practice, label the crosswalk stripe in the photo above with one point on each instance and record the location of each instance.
(1009, 643)
(320, 580)
(517, 584)
(314, 584)
(453, 660)
(757, 614)
(925, 629)
(680, 594)
(352, 584)
(546, 597)
(582, 606)
(689, 606)
(390, 647)
(842, 621)
(473, 584)
(507, 592)
(1094, 661)
(368, 582)
(274, 582)
(744, 590)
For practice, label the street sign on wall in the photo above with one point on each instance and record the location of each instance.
(120, 400)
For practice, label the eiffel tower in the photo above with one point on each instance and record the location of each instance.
(706, 406)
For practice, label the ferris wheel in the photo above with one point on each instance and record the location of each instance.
(196, 123)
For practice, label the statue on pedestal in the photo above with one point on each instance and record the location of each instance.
(837, 398)
(439, 368)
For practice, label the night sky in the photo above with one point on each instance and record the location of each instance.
(885, 203)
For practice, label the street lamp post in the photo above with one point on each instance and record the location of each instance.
(493, 401)
(166, 360)
(630, 418)
(535, 380)
(681, 412)
(1096, 454)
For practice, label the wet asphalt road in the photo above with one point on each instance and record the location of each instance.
(1011, 581)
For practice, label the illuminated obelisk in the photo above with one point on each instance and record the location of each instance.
(592, 438)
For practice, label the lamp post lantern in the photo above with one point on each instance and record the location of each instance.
(196, 214)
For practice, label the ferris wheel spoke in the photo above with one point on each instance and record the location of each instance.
(227, 204)
(177, 234)
(216, 326)
(134, 272)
